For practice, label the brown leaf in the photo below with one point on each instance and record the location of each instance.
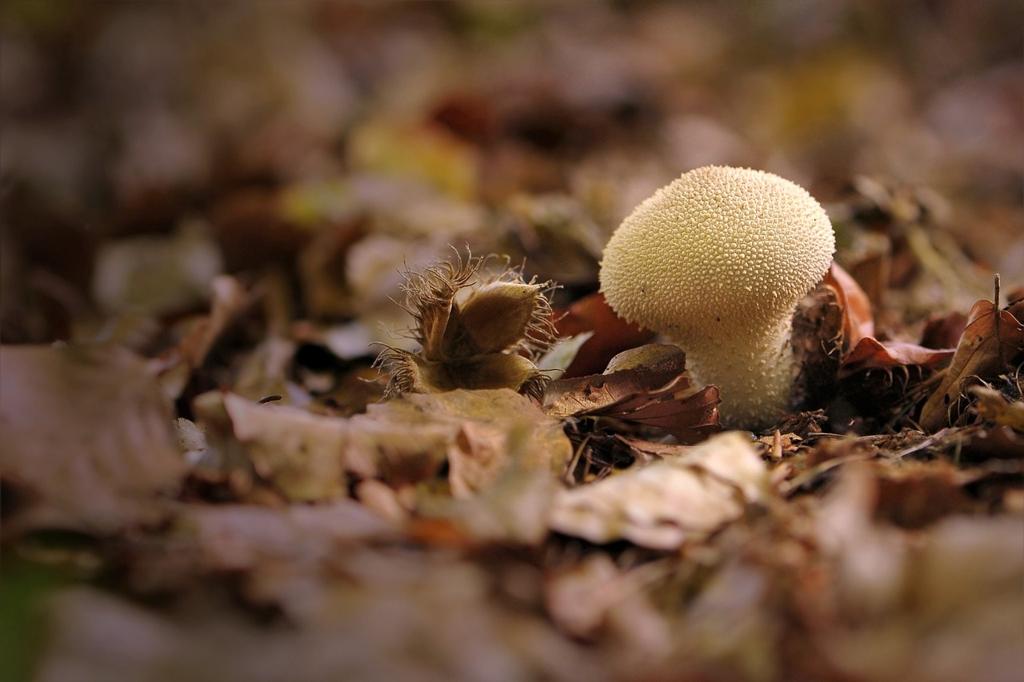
(920, 493)
(237, 537)
(87, 440)
(512, 509)
(595, 595)
(301, 453)
(991, 340)
(612, 334)
(870, 353)
(854, 303)
(663, 504)
(997, 442)
(408, 439)
(944, 331)
(322, 269)
(230, 299)
(495, 429)
(659, 395)
(993, 406)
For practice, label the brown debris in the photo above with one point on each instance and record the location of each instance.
(612, 334)
(991, 344)
(659, 395)
(111, 465)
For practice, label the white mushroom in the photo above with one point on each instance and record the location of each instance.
(717, 261)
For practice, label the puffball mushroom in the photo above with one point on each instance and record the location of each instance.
(717, 261)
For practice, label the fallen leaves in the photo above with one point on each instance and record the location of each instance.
(862, 350)
(245, 231)
(991, 340)
(301, 453)
(664, 504)
(611, 334)
(646, 386)
(993, 406)
(392, 617)
(310, 457)
(110, 464)
(491, 431)
(870, 353)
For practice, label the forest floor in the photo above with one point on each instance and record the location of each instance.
(230, 266)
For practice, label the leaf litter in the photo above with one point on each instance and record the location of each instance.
(197, 440)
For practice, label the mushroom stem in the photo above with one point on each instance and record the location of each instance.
(754, 374)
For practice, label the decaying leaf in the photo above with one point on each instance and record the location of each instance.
(855, 305)
(595, 595)
(646, 386)
(492, 430)
(392, 618)
(301, 453)
(993, 406)
(157, 275)
(308, 457)
(862, 351)
(991, 340)
(611, 334)
(238, 537)
(957, 584)
(514, 509)
(870, 353)
(664, 504)
(229, 299)
(88, 443)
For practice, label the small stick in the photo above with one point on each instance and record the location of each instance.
(999, 345)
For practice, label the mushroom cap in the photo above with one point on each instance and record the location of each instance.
(716, 251)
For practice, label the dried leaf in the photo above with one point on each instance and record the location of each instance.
(612, 334)
(662, 505)
(496, 428)
(229, 299)
(512, 509)
(993, 406)
(594, 595)
(299, 452)
(408, 439)
(238, 537)
(561, 355)
(858, 322)
(392, 618)
(88, 443)
(870, 353)
(991, 340)
(156, 275)
(658, 394)
(943, 332)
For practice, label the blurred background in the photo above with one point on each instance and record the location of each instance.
(320, 146)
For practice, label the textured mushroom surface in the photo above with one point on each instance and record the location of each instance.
(717, 261)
